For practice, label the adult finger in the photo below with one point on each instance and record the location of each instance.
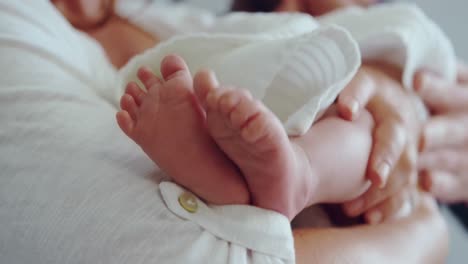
(356, 95)
(445, 131)
(439, 95)
(447, 187)
(393, 114)
(396, 206)
(390, 139)
(453, 160)
(403, 176)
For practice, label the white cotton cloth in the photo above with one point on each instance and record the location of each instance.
(74, 189)
(400, 34)
(297, 70)
(297, 66)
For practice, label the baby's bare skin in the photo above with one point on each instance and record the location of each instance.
(277, 170)
(167, 122)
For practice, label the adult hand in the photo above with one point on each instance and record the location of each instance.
(394, 153)
(444, 142)
(393, 201)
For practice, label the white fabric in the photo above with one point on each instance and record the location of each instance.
(400, 34)
(299, 68)
(295, 75)
(73, 188)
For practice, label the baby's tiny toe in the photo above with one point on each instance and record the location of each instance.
(212, 100)
(148, 78)
(204, 82)
(125, 122)
(128, 104)
(245, 94)
(255, 128)
(245, 109)
(177, 76)
(173, 65)
(134, 90)
(229, 101)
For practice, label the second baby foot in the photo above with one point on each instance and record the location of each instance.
(252, 136)
(167, 122)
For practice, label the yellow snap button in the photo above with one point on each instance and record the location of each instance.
(189, 202)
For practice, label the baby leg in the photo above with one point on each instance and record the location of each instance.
(168, 123)
(338, 152)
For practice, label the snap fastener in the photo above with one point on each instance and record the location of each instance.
(188, 201)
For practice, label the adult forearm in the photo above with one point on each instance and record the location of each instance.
(421, 238)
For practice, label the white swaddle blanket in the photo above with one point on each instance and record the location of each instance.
(288, 61)
(295, 65)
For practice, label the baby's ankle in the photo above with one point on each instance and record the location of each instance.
(305, 182)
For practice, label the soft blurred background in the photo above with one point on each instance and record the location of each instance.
(452, 17)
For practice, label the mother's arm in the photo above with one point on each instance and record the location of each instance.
(419, 238)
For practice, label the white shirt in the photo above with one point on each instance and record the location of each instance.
(73, 188)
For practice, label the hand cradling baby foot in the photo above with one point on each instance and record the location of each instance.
(167, 122)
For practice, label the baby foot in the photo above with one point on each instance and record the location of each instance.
(167, 122)
(255, 140)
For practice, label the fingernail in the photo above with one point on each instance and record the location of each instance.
(383, 170)
(214, 79)
(145, 69)
(356, 206)
(375, 217)
(353, 106)
(404, 211)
